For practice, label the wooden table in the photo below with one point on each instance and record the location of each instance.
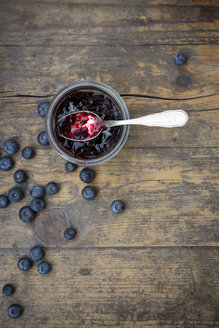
(155, 265)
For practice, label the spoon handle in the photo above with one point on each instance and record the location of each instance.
(166, 119)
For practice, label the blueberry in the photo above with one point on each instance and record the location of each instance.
(37, 191)
(26, 214)
(42, 108)
(10, 146)
(24, 264)
(88, 193)
(14, 311)
(42, 139)
(36, 253)
(37, 204)
(28, 152)
(15, 194)
(8, 290)
(117, 206)
(70, 167)
(6, 163)
(70, 233)
(20, 176)
(44, 267)
(52, 188)
(179, 59)
(3, 201)
(87, 175)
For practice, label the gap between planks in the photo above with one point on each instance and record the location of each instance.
(99, 248)
(122, 95)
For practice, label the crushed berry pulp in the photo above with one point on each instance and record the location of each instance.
(94, 102)
(80, 126)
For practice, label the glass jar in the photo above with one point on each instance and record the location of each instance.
(86, 86)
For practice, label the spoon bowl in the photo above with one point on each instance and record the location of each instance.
(80, 126)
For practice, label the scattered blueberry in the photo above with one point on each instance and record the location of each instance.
(10, 146)
(6, 163)
(26, 214)
(70, 167)
(8, 290)
(15, 194)
(37, 204)
(3, 201)
(52, 188)
(88, 193)
(20, 176)
(37, 191)
(36, 253)
(14, 311)
(70, 233)
(28, 152)
(42, 139)
(42, 108)
(180, 59)
(44, 267)
(24, 264)
(87, 175)
(117, 206)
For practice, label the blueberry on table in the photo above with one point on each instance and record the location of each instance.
(88, 193)
(70, 167)
(6, 163)
(37, 204)
(4, 201)
(86, 175)
(8, 290)
(24, 264)
(179, 59)
(37, 191)
(36, 253)
(15, 194)
(28, 152)
(52, 188)
(70, 233)
(14, 311)
(117, 206)
(10, 146)
(20, 176)
(42, 108)
(43, 139)
(44, 267)
(26, 214)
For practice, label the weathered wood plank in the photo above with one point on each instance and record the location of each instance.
(146, 70)
(151, 287)
(202, 130)
(170, 194)
(49, 23)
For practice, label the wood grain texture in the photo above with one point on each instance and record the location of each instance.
(156, 264)
(145, 70)
(152, 287)
(202, 129)
(173, 174)
(51, 23)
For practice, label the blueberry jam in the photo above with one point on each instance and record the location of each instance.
(88, 101)
(80, 126)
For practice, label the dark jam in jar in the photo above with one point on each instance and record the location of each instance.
(99, 104)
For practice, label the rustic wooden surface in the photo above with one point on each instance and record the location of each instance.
(155, 265)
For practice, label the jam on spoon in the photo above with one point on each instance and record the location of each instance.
(81, 125)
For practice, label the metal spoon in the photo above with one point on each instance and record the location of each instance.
(94, 125)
